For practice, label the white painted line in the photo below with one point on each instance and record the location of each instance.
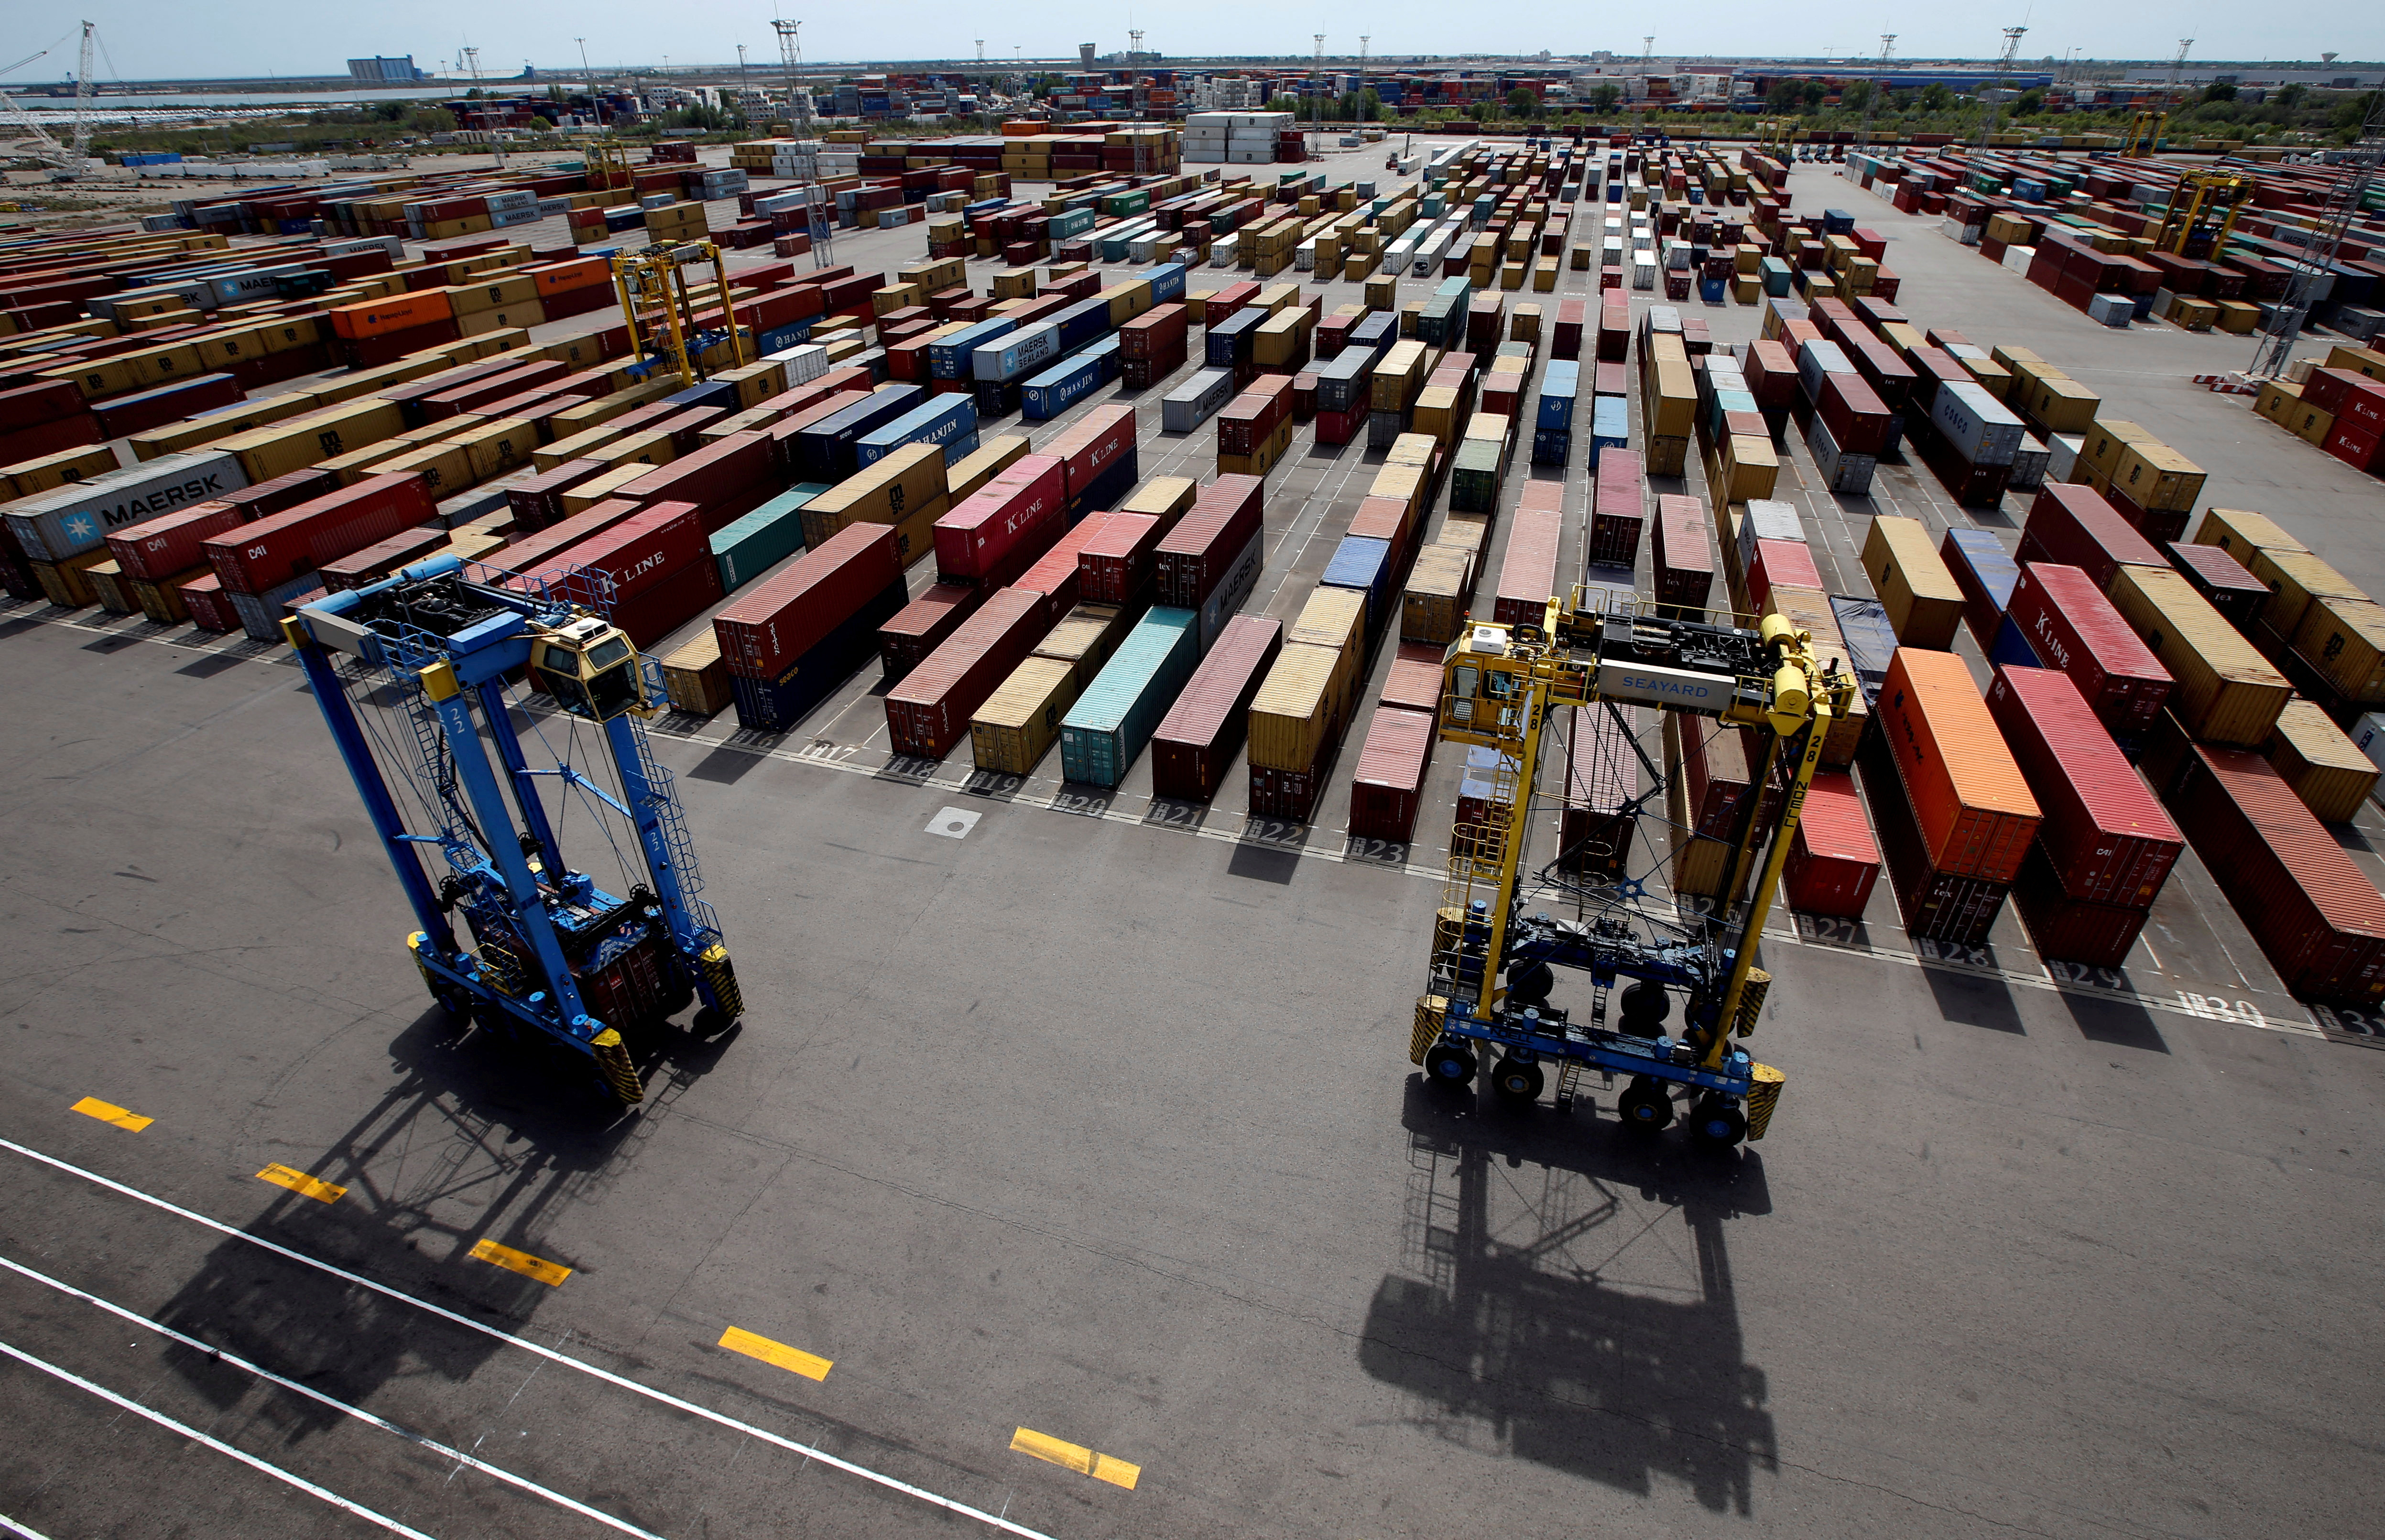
(953, 822)
(26, 1531)
(809, 1451)
(219, 1356)
(195, 1436)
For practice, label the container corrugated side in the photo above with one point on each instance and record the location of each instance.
(1195, 745)
(1387, 789)
(930, 710)
(1973, 805)
(1292, 720)
(2071, 625)
(1020, 721)
(2104, 832)
(2223, 690)
(1104, 733)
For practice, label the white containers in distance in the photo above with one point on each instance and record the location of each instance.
(1976, 423)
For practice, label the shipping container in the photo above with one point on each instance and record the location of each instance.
(172, 544)
(1085, 638)
(1104, 731)
(2068, 928)
(1432, 607)
(1195, 743)
(1923, 604)
(920, 626)
(930, 710)
(1833, 860)
(2104, 832)
(1973, 806)
(2071, 525)
(1527, 576)
(1117, 564)
(992, 535)
(67, 521)
(748, 547)
(1294, 719)
(1594, 823)
(1414, 678)
(1934, 905)
(1986, 571)
(1020, 721)
(1682, 547)
(840, 631)
(2069, 624)
(777, 621)
(2222, 689)
(2327, 770)
(258, 557)
(1198, 554)
(2318, 919)
(1364, 566)
(1388, 788)
(2222, 581)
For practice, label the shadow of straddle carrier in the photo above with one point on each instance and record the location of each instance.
(475, 1140)
(1549, 1307)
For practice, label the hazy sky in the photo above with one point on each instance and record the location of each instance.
(150, 38)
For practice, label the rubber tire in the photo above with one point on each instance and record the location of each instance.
(1643, 1003)
(1517, 1082)
(1718, 1125)
(1449, 1064)
(1643, 1104)
(708, 1023)
(1529, 983)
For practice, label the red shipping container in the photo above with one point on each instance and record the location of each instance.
(2104, 832)
(210, 607)
(1833, 860)
(1617, 510)
(1972, 804)
(538, 502)
(1853, 411)
(713, 477)
(1246, 421)
(2357, 445)
(637, 553)
(1566, 343)
(1389, 519)
(172, 542)
(1528, 575)
(2317, 917)
(1415, 680)
(929, 710)
(2073, 628)
(382, 558)
(2072, 525)
(1116, 565)
(1683, 549)
(1058, 573)
(977, 540)
(535, 552)
(661, 608)
(283, 492)
(1610, 379)
(1389, 785)
(1934, 905)
(44, 400)
(1095, 443)
(2072, 930)
(1340, 427)
(263, 556)
(1226, 301)
(1781, 564)
(2222, 581)
(1771, 373)
(1206, 542)
(922, 625)
(1602, 776)
(1196, 742)
(772, 623)
(1154, 332)
(472, 395)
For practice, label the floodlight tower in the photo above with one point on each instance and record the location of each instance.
(2342, 205)
(2004, 68)
(791, 57)
(1878, 84)
(1317, 90)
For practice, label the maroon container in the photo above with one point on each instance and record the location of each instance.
(1248, 421)
(2074, 526)
(1093, 445)
(1602, 775)
(663, 607)
(1116, 565)
(538, 502)
(1222, 304)
(1196, 742)
(2222, 581)
(1389, 785)
(1527, 576)
(2317, 917)
(712, 478)
(1201, 549)
(921, 626)
(1937, 906)
(1683, 549)
(1414, 682)
(930, 710)
(283, 492)
(2104, 832)
(472, 395)
(536, 552)
(263, 556)
(1854, 414)
(1058, 573)
(2069, 929)
(1154, 332)
(1567, 340)
(2073, 628)
(1617, 509)
(1771, 373)
(172, 544)
(44, 400)
(772, 623)
(1615, 380)
(382, 557)
(637, 553)
(1292, 794)
(1719, 764)
(1021, 507)
(1833, 860)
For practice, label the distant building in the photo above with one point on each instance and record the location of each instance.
(1085, 54)
(385, 71)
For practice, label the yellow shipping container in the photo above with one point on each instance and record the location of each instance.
(1432, 606)
(1165, 498)
(1925, 606)
(498, 447)
(581, 445)
(886, 491)
(1671, 397)
(502, 293)
(1749, 467)
(2224, 692)
(1085, 638)
(1394, 384)
(2156, 475)
(281, 448)
(2107, 439)
(2240, 532)
(2295, 579)
(445, 468)
(2060, 402)
(972, 471)
(596, 489)
(2342, 640)
(1292, 716)
(2331, 777)
(1020, 721)
(1436, 414)
(641, 447)
(28, 477)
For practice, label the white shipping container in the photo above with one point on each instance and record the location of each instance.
(2061, 455)
(2029, 465)
(805, 363)
(1975, 423)
(1850, 474)
(1816, 359)
(1196, 401)
(2369, 737)
(1008, 357)
(69, 520)
(1768, 519)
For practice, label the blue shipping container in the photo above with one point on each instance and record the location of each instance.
(1167, 283)
(1553, 446)
(1106, 730)
(946, 419)
(1232, 340)
(750, 546)
(776, 704)
(1107, 490)
(1018, 355)
(824, 452)
(1082, 322)
(2011, 648)
(948, 357)
(1610, 420)
(1560, 394)
(711, 393)
(1363, 563)
(1989, 565)
(1058, 388)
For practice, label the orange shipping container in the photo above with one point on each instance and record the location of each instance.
(559, 278)
(395, 313)
(1976, 812)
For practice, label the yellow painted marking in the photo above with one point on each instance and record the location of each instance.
(302, 1183)
(1076, 1457)
(811, 1366)
(92, 1107)
(547, 1272)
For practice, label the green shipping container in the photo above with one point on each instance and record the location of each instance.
(1110, 722)
(763, 538)
(1126, 203)
(1075, 222)
(1474, 478)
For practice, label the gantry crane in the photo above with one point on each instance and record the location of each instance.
(1499, 683)
(666, 329)
(2203, 212)
(411, 674)
(69, 161)
(2144, 137)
